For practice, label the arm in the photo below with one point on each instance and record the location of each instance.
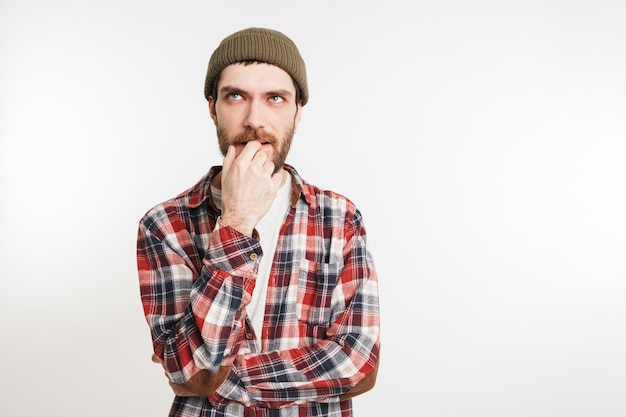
(193, 310)
(342, 365)
(205, 384)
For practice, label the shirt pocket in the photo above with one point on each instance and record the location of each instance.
(316, 283)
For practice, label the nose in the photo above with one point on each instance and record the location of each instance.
(255, 116)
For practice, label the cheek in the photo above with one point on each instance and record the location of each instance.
(224, 115)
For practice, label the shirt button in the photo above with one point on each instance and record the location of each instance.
(253, 256)
(249, 336)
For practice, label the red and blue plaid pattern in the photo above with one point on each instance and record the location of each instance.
(321, 326)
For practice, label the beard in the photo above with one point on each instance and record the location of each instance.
(281, 147)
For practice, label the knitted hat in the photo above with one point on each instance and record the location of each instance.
(258, 44)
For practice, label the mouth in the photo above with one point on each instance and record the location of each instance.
(265, 139)
(262, 142)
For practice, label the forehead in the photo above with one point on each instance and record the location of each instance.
(256, 77)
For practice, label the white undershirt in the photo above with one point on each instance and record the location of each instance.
(268, 229)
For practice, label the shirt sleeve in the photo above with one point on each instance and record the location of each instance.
(195, 312)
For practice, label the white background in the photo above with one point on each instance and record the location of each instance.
(484, 142)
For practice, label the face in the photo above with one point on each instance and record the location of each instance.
(256, 102)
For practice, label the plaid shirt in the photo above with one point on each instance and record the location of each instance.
(321, 327)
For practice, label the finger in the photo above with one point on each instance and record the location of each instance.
(229, 158)
(260, 158)
(268, 165)
(250, 150)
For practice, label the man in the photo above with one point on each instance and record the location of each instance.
(258, 287)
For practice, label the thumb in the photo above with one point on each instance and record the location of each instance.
(229, 158)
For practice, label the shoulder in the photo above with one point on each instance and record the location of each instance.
(325, 201)
(178, 209)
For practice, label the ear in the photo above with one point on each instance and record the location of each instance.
(212, 110)
(298, 116)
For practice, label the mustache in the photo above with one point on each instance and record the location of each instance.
(250, 135)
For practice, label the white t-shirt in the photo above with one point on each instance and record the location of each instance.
(268, 229)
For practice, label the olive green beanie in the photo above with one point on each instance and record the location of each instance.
(258, 44)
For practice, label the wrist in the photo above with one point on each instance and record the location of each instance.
(238, 224)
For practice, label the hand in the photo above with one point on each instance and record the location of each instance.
(249, 186)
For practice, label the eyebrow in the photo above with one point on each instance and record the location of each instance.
(231, 89)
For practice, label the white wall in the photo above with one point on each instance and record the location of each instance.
(485, 143)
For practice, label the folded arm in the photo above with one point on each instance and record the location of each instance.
(197, 319)
(194, 310)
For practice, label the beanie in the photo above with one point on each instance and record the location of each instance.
(258, 44)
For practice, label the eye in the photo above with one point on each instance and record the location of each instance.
(234, 96)
(276, 99)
